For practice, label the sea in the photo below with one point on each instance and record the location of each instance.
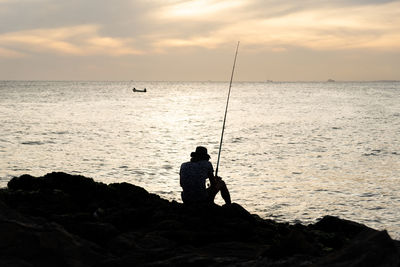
(292, 151)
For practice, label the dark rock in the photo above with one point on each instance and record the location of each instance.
(130, 193)
(294, 243)
(98, 232)
(369, 248)
(24, 182)
(45, 245)
(335, 224)
(69, 220)
(14, 263)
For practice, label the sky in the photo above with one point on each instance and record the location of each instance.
(182, 40)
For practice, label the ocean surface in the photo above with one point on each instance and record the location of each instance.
(292, 152)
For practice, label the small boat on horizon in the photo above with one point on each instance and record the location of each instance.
(139, 91)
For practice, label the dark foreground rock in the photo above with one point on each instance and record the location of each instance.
(65, 220)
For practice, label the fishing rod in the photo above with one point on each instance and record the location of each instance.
(226, 109)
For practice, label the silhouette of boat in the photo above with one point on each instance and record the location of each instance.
(139, 91)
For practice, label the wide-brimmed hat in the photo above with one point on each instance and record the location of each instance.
(201, 152)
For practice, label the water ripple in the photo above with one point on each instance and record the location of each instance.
(292, 151)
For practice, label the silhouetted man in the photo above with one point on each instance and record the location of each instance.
(193, 176)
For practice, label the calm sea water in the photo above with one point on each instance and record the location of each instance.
(292, 151)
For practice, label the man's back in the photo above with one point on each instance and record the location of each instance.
(193, 177)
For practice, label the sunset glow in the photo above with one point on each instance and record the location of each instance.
(138, 34)
(199, 8)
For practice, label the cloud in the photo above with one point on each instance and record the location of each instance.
(199, 8)
(118, 18)
(77, 40)
(8, 53)
(312, 25)
(168, 36)
(133, 27)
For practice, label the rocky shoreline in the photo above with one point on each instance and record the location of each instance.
(68, 220)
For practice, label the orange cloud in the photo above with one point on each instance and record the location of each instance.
(198, 8)
(8, 53)
(78, 40)
(322, 28)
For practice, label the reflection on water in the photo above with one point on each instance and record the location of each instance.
(292, 151)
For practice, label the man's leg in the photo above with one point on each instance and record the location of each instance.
(225, 193)
(219, 186)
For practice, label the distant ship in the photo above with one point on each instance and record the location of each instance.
(330, 81)
(139, 91)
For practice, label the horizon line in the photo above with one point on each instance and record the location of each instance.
(215, 81)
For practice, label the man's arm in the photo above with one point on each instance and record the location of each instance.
(211, 177)
(180, 176)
